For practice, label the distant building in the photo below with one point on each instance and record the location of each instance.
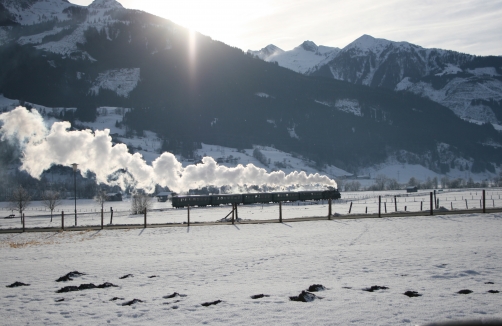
(412, 189)
(163, 196)
(114, 196)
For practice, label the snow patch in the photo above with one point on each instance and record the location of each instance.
(450, 70)
(261, 94)
(292, 132)
(486, 71)
(346, 105)
(457, 95)
(492, 143)
(37, 38)
(121, 81)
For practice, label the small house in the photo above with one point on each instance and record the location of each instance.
(412, 189)
(114, 196)
(163, 196)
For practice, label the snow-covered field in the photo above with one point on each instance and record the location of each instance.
(435, 256)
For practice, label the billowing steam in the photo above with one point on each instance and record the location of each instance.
(94, 151)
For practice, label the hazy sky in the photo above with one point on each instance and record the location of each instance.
(469, 26)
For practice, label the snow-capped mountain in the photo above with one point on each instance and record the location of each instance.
(301, 59)
(470, 86)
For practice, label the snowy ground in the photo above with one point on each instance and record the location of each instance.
(434, 256)
(88, 211)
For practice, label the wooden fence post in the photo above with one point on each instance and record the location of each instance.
(22, 218)
(385, 206)
(280, 212)
(145, 218)
(379, 206)
(466, 206)
(484, 201)
(236, 212)
(350, 208)
(62, 220)
(432, 210)
(421, 205)
(329, 210)
(233, 212)
(111, 215)
(102, 218)
(395, 204)
(188, 212)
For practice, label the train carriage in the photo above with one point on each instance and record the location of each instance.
(225, 199)
(257, 198)
(285, 196)
(185, 201)
(310, 195)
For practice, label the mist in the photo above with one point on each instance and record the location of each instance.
(43, 147)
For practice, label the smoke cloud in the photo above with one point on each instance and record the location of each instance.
(95, 152)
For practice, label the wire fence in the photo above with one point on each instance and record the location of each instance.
(350, 204)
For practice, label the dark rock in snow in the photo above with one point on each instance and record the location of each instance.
(133, 301)
(87, 286)
(81, 287)
(116, 298)
(106, 285)
(489, 283)
(493, 291)
(207, 304)
(153, 276)
(466, 291)
(305, 297)
(60, 300)
(66, 289)
(316, 288)
(174, 295)
(16, 284)
(259, 296)
(126, 276)
(376, 288)
(412, 294)
(69, 276)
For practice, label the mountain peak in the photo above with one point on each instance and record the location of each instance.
(105, 4)
(309, 46)
(267, 52)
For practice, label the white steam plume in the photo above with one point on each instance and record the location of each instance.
(95, 152)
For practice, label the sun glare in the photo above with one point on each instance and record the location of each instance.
(222, 20)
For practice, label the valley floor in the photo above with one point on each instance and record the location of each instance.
(435, 256)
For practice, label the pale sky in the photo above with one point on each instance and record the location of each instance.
(469, 26)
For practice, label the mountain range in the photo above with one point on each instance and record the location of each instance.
(471, 86)
(352, 107)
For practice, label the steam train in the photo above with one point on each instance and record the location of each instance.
(254, 198)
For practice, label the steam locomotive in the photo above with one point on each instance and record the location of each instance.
(254, 198)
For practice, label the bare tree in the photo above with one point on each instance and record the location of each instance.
(19, 200)
(140, 202)
(51, 199)
(101, 198)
